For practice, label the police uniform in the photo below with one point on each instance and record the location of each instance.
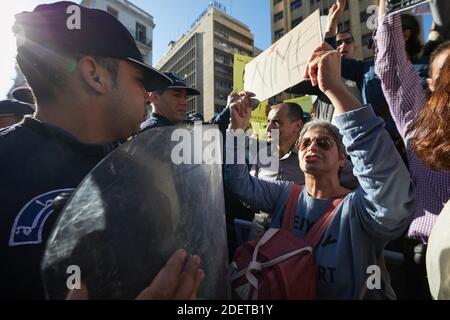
(38, 162)
(156, 120)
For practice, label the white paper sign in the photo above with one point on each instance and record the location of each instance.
(282, 65)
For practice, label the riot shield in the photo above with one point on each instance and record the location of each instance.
(133, 211)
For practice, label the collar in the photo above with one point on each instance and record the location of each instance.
(53, 132)
(292, 152)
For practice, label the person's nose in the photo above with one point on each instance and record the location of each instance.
(183, 102)
(269, 127)
(313, 146)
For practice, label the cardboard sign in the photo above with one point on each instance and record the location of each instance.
(282, 65)
(258, 118)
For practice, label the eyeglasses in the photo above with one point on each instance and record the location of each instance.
(323, 143)
(347, 41)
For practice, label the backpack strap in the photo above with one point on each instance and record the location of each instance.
(316, 232)
(291, 207)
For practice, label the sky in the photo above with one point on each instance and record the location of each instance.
(171, 17)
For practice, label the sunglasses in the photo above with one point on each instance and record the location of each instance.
(323, 143)
(346, 41)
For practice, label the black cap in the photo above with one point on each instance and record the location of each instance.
(23, 94)
(14, 108)
(98, 33)
(178, 83)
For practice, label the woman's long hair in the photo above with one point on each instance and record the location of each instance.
(431, 139)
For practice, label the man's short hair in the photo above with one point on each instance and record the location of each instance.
(295, 111)
(47, 77)
(346, 31)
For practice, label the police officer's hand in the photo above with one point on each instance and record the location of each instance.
(179, 279)
(241, 109)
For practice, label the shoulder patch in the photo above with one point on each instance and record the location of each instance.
(29, 222)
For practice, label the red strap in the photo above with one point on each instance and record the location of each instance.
(316, 232)
(289, 211)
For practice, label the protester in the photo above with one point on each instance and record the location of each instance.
(91, 91)
(369, 216)
(431, 141)
(323, 108)
(404, 94)
(288, 118)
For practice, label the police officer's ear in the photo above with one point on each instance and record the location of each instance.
(93, 75)
(154, 97)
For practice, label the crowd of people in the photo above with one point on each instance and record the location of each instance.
(379, 141)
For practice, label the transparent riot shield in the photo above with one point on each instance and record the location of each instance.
(135, 209)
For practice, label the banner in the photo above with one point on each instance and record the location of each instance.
(282, 65)
(258, 118)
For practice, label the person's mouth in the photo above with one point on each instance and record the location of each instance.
(312, 157)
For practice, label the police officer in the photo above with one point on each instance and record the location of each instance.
(170, 104)
(12, 112)
(90, 84)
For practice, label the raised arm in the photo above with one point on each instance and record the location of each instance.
(334, 13)
(323, 70)
(260, 194)
(399, 80)
(385, 200)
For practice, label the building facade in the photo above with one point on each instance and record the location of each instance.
(137, 21)
(204, 58)
(286, 14)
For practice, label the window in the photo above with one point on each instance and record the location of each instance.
(112, 12)
(296, 22)
(279, 34)
(295, 4)
(141, 33)
(278, 16)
